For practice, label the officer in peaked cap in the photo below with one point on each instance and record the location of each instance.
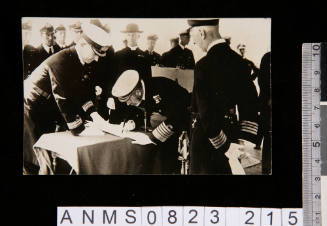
(47, 35)
(60, 35)
(163, 106)
(179, 55)
(45, 49)
(60, 92)
(221, 81)
(76, 31)
(152, 56)
(132, 57)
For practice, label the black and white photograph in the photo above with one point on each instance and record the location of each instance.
(163, 96)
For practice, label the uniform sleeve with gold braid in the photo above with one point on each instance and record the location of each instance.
(163, 132)
(218, 141)
(66, 105)
(89, 107)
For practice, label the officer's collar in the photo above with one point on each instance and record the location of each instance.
(133, 48)
(79, 56)
(215, 42)
(47, 48)
(61, 46)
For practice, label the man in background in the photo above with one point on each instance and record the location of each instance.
(45, 49)
(173, 42)
(60, 35)
(253, 69)
(180, 56)
(26, 34)
(152, 56)
(132, 57)
(124, 43)
(164, 58)
(76, 32)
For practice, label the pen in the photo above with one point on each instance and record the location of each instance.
(123, 126)
(145, 121)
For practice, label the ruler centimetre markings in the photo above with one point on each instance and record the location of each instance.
(311, 140)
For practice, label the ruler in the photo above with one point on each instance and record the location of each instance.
(311, 141)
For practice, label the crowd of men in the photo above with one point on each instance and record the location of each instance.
(66, 85)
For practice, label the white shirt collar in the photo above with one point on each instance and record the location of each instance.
(183, 47)
(215, 42)
(133, 48)
(47, 48)
(79, 56)
(61, 46)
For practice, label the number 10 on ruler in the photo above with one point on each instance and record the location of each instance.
(178, 216)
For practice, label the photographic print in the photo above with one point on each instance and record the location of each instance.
(182, 96)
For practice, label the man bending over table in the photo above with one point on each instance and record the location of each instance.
(158, 108)
(58, 92)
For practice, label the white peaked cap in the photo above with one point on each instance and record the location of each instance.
(125, 84)
(96, 34)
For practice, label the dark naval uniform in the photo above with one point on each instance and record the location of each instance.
(221, 81)
(178, 57)
(165, 109)
(57, 92)
(264, 80)
(105, 74)
(37, 56)
(153, 58)
(28, 53)
(254, 71)
(128, 59)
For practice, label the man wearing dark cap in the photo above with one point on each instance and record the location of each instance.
(173, 42)
(59, 91)
(152, 56)
(47, 47)
(132, 57)
(180, 56)
(220, 82)
(60, 35)
(163, 113)
(76, 32)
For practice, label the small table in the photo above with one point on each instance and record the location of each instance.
(94, 155)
